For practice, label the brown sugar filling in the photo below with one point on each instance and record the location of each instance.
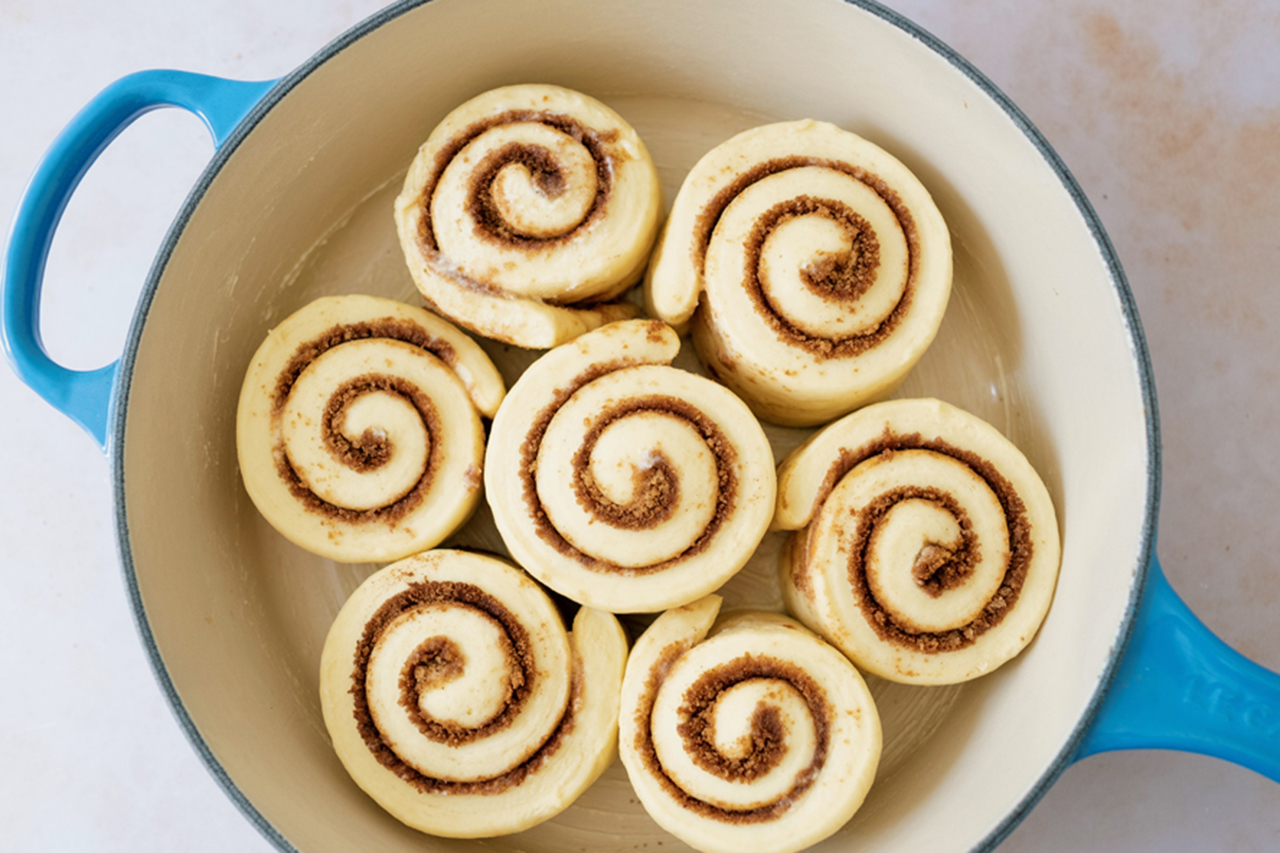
(369, 450)
(657, 488)
(842, 277)
(655, 492)
(364, 454)
(767, 731)
(480, 205)
(436, 659)
(484, 212)
(1020, 545)
(436, 662)
(387, 327)
(848, 272)
(658, 483)
(372, 449)
(937, 568)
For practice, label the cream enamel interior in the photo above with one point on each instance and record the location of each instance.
(1034, 341)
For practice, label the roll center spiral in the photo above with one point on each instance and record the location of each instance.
(846, 274)
(441, 668)
(844, 243)
(647, 466)
(753, 734)
(362, 448)
(514, 186)
(530, 191)
(448, 693)
(353, 430)
(361, 445)
(831, 266)
(741, 734)
(939, 547)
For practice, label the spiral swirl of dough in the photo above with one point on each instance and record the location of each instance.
(526, 211)
(754, 735)
(927, 547)
(358, 429)
(457, 700)
(624, 483)
(822, 263)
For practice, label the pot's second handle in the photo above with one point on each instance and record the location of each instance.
(85, 396)
(1180, 687)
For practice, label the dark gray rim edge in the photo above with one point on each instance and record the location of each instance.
(119, 403)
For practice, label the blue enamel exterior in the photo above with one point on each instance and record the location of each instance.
(85, 395)
(1170, 684)
(1180, 687)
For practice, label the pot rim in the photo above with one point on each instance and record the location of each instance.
(1137, 340)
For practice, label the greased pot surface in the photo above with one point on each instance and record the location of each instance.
(1040, 339)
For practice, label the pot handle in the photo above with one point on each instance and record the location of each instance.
(85, 395)
(1180, 687)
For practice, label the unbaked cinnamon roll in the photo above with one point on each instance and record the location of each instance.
(821, 263)
(752, 735)
(457, 701)
(624, 483)
(358, 429)
(926, 548)
(527, 210)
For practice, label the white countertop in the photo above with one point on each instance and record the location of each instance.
(1167, 114)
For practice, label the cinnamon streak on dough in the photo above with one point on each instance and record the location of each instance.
(958, 565)
(843, 279)
(421, 672)
(768, 734)
(370, 451)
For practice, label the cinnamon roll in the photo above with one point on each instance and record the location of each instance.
(752, 735)
(927, 547)
(822, 264)
(624, 483)
(527, 210)
(457, 701)
(358, 429)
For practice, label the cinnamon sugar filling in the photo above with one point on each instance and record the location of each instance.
(768, 733)
(936, 569)
(387, 327)
(370, 450)
(657, 486)
(438, 660)
(541, 165)
(842, 277)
